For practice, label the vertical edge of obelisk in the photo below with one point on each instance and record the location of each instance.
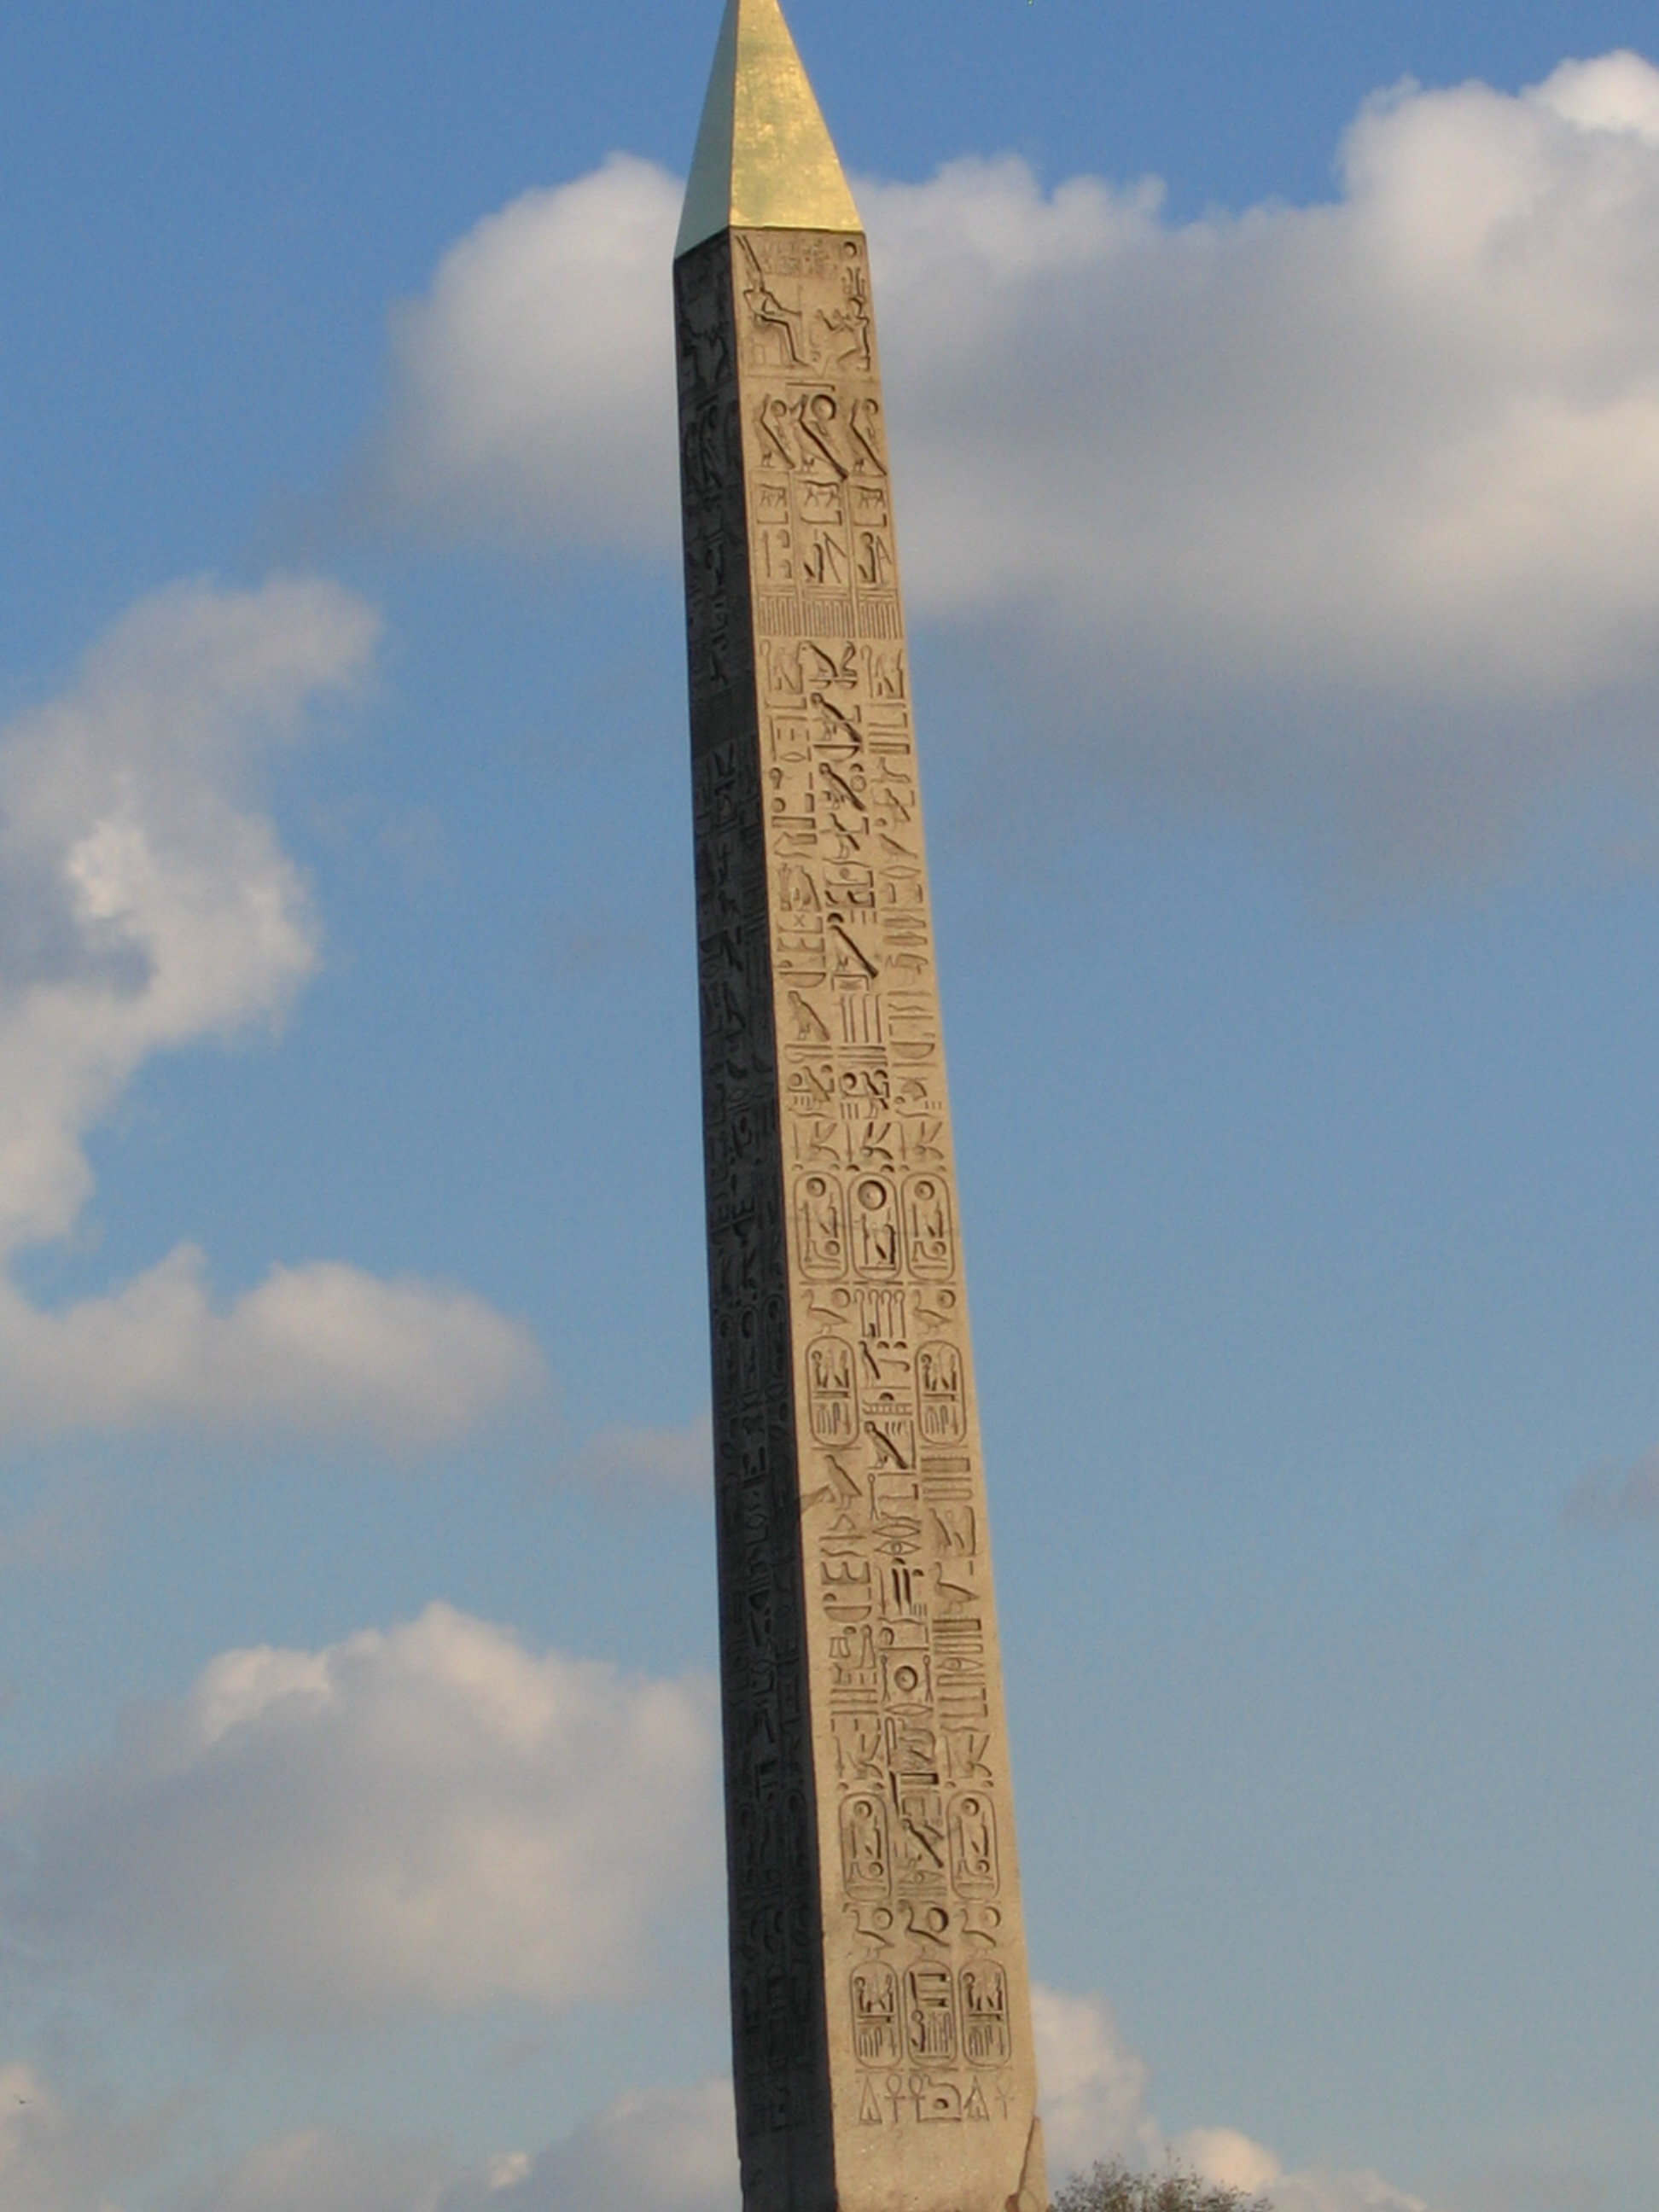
(789, 415)
(779, 2042)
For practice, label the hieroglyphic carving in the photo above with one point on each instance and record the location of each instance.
(877, 1955)
(777, 1967)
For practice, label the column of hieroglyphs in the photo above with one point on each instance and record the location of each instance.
(881, 2020)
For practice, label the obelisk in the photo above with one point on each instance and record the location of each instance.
(881, 2014)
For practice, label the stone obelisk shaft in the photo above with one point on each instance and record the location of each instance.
(881, 2016)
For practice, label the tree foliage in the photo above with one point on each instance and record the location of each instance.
(1110, 2186)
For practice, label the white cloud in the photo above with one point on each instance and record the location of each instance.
(1225, 2156)
(432, 1818)
(533, 385)
(323, 1349)
(1339, 510)
(146, 901)
(1093, 2098)
(674, 2150)
(1094, 2086)
(660, 2149)
(630, 1465)
(1408, 441)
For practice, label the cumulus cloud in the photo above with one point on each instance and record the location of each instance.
(1409, 439)
(533, 385)
(320, 1350)
(431, 1818)
(1223, 2156)
(1345, 508)
(673, 2150)
(1094, 2105)
(1094, 2086)
(146, 901)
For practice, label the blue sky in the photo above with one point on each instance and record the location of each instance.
(1287, 705)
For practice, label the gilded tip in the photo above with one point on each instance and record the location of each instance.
(764, 159)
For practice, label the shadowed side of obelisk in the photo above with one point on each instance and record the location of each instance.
(881, 2013)
(779, 2060)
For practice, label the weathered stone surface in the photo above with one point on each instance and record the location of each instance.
(881, 2018)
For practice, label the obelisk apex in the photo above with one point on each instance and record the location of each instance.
(764, 160)
(882, 2042)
